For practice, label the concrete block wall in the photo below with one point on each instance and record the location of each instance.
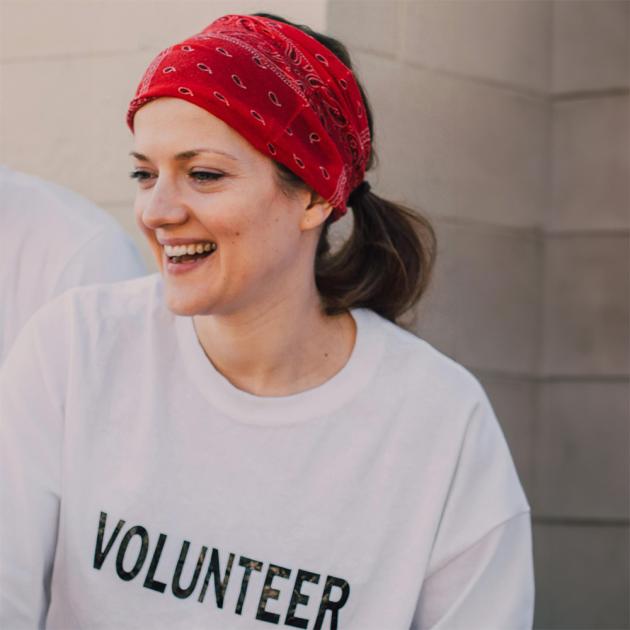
(507, 123)
(582, 434)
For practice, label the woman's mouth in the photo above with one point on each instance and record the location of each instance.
(177, 254)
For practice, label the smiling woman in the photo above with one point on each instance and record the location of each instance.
(247, 437)
(263, 241)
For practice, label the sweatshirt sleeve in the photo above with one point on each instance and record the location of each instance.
(480, 574)
(31, 438)
(489, 586)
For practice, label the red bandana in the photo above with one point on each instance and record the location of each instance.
(282, 90)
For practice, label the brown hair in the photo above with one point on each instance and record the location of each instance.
(387, 261)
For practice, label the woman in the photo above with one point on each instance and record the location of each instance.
(247, 437)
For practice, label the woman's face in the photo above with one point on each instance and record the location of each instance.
(224, 235)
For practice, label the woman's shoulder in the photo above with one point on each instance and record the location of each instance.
(416, 363)
(101, 310)
(82, 327)
(127, 298)
(96, 307)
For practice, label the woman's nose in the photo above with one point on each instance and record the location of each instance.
(163, 206)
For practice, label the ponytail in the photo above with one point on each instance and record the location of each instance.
(384, 265)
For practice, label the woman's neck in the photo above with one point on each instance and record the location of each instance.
(288, 347)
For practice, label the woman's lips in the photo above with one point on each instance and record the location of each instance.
(178, 268)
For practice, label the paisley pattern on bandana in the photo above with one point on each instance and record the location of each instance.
(282, 90)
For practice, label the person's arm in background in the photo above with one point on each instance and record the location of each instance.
(32, 386)
(481, 572)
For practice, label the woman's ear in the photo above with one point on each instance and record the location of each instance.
(316, 213)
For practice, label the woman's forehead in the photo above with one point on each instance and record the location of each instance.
(179, 127)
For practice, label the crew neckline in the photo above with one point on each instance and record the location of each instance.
(318, 401)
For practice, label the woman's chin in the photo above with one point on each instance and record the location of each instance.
(186, 305)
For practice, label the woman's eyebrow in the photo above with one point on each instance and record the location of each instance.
(187, 155)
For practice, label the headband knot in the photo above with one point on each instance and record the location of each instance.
(281, 89)
(359, 192)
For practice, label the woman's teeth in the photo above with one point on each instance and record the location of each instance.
(193, 248)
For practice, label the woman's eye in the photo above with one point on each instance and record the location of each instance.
(140, 175)
(205, 176)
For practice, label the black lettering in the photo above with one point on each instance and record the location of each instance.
(250, 565)
(270, 593)
(219, 585)
(137, 530)
(149, 582)
(99, 553)
(298, 598)
(333, 606)
(178, 591)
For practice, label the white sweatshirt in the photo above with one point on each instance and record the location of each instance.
(141, 489)
(52, 239)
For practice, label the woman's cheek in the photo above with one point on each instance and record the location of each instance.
(137, 210)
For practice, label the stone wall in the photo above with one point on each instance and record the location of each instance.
(582, 431)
